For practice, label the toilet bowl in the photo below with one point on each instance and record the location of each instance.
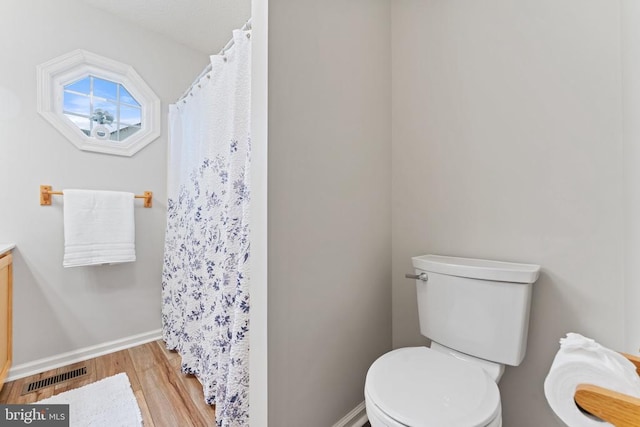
(421, 387)
(476, 314)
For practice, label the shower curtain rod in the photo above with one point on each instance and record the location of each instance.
(207, 69)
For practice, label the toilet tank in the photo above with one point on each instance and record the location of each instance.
(475, 306)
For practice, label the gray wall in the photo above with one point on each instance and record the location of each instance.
(630, 14)
(329, 205)
(59, 310)
(507, 145)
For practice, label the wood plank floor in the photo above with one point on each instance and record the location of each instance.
(166, 396)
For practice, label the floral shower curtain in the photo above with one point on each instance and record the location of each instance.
(205, 280)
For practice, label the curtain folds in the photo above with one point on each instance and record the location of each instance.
(205, 280)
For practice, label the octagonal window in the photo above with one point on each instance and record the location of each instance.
(99, 104)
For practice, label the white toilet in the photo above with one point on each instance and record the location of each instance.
(476, 313)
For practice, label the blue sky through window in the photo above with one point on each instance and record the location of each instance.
(93, 101)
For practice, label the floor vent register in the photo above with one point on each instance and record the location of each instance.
(53, 380)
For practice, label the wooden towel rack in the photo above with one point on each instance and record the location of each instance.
(46, 192)
(616, 408)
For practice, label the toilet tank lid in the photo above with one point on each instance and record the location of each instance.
(478, 268)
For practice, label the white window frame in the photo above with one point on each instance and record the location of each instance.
(55, 74)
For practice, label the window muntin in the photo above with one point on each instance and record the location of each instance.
(102, 108)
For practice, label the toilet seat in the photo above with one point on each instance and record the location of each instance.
(419, 387)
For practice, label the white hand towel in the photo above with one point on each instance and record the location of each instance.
(99, 227)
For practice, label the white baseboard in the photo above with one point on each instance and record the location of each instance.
(59, 360)
(356, 418)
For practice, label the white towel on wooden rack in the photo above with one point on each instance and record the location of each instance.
(99, 227)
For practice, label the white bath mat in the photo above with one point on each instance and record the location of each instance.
(109, 402)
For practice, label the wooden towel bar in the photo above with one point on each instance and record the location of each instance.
(616, 408)
(46, 192)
